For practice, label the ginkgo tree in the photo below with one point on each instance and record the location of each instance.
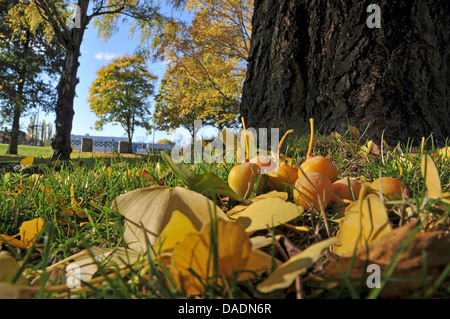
(121, 94)
(206, 63)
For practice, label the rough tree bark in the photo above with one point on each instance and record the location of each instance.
(67, 86)
(66, 94)
(15, 129)
(311, 58)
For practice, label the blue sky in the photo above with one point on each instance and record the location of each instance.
(95, 54)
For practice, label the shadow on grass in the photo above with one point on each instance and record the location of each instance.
(42, 157)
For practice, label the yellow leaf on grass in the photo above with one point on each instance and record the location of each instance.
(27, 233)
(66, 210)
(27, 161)
(285, 274)
(445, 152)
(266, 212)
(238, 208)
(73, 200)
(29, 230)
(365, 149)
(12, 241)
(234, 251)
(148, 210)
(76, 207)
(431, 175)
(365, 220)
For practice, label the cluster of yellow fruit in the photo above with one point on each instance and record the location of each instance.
(314, 183)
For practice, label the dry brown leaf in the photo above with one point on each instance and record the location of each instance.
(10, 291)
(285, 274)
(435, 245)
(9, 268)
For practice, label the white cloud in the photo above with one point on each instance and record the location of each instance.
(105, 56)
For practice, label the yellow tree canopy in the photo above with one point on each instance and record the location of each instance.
(206, 63)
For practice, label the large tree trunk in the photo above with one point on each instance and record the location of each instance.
(66, 95)
(15, 129)
(64, 107)
(18, 103)
(320, 59)
(14, 138)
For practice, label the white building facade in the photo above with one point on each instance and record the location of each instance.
(109, 144)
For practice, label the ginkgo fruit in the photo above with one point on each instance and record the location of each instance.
(318, 164)
(243, 177)
(311, 189)
(391, 187)
(345, 189)
(286, 175)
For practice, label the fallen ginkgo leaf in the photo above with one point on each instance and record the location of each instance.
(178, 226)
(265, 212)
(148, 210)
(431, 175)
(27, 233)
(285, 274)
(27, 161)
(193, 255)
(364, 221)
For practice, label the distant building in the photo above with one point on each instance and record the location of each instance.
(5, 135)
(109, 143)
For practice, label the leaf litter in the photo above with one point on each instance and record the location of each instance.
(202, 245)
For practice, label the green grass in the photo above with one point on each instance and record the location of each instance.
(24, 151)
(97, 180)
(44, 153)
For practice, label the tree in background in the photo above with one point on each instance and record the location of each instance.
(206, 64)
(29, 66)
(31, 129)
(121, 92)
(66, 26)
(165, 142)
(49, 132)
(43, 133)
(177, 110)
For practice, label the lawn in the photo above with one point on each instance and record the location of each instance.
(75, 215)
(44, 154)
